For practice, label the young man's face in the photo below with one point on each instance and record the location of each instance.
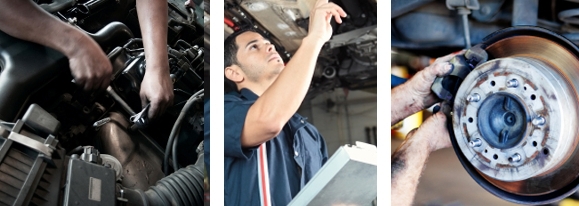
(257, 57)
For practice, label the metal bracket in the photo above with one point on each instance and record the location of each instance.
(354, 36)
(467, 4)
(33, 144)
(464, 7)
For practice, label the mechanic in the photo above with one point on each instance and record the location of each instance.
(410, 157)
(270, 151)
(88, 64)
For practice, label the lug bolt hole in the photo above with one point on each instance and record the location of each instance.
(533, 97)
(470, 119)
(493, 83)
(546, 151)
(534, 143)
(486, 151)
(525, 88)
(495, 156)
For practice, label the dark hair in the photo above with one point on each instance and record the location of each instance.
(230, 45)
(230, 53)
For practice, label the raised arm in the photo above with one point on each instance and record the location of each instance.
(267, 116)
(157, 86)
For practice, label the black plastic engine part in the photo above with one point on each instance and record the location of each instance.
(446, 87)
(20, 77)
(184, 187)
(31, 167)
(89, 183)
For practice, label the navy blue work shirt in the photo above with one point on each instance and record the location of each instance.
(294, 156)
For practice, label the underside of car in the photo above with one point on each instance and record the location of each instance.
(347, 60)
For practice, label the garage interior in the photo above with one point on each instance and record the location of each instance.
(500, 38)
(343, 117)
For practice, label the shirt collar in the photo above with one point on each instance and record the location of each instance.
(248, 94)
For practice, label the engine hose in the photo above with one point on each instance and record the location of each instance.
(177, 128)
(58, 5)
(114, 33)
(184, 187)
(176, 140)
(87, 7)
(75, 150)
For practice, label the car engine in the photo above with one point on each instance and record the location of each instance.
(60, 145)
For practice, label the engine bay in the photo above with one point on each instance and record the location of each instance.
(55, 136)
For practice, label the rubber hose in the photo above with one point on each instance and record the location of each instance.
(184, 187)
(113, 34)
(58, 5)
(87, 7)
(176, 140)
(176, 129)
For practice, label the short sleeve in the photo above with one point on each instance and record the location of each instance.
(235, 113)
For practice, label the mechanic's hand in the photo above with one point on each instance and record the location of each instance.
(89, 66)
(157, 88)
(418, 87)
(320, 17)
(433, 131)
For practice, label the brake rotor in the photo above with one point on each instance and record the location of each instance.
(515, 118)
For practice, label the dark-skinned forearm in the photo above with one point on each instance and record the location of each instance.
(25, 20)
(153, 18)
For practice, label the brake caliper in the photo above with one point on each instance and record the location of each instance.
(446, 87)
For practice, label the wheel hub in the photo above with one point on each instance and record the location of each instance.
(504, 119)
(515, 117)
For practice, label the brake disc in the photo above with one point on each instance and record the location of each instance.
(515, 117)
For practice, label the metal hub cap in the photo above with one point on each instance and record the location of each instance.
(515, 118)
(504, 119)
(498, 132)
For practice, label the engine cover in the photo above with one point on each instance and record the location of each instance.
(24, 68)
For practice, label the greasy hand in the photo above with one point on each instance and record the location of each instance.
(419, 85)
(89, 66)
(157, 88)
(320, 17)
(434, 132)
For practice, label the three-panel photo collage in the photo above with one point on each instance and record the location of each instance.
(102, 102)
